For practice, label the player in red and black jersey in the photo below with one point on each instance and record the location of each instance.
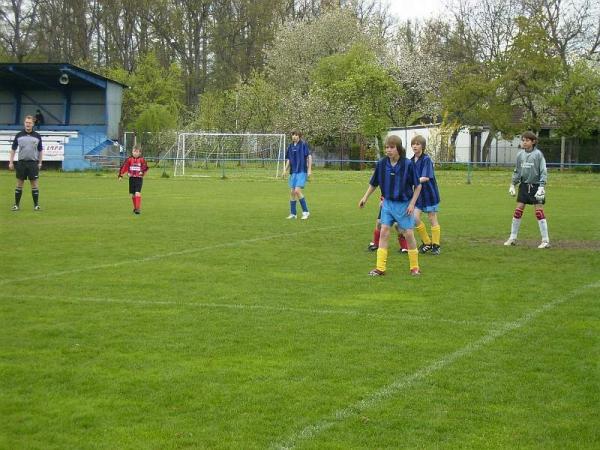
(135, 166)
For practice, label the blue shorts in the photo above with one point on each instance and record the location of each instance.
(297, 180)
(396, 212)
(429, 209)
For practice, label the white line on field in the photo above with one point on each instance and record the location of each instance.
(311, 431)
(189, 251)
(254, 307)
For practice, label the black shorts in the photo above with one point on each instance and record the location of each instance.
(27, 170)
(135, 184)
(527, 194)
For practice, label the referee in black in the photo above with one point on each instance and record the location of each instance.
(29, 163)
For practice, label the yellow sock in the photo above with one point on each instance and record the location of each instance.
(413, 258)
(423, 233)
(382, 258)
(435, 234)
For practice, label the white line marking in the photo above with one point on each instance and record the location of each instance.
(253, 307)
(311, 431)
(189, 251)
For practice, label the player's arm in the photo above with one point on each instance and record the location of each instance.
(309, 165)
(144, 167)
(40, 150)
(413, 200)
(11, 154)
(363, 200)
(124, 168)
(285, 168)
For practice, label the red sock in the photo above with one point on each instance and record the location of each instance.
(376, 234)
(133, 201)
(402, 242)
(138, 202)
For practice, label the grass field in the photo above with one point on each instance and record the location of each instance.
(212, 322)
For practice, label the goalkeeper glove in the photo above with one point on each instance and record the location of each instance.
(512, 191)
(540, 194)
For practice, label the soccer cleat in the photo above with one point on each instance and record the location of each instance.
(435, 249)
(137, 211)
(305, 215)
(376, 273)
(37, 208)
(544, 244)
(510, 241)
(424, 248)
(291, 216)
(415, 272)
(372, 247)
(403, 250)
(15, 208)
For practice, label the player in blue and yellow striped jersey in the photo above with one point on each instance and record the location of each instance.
(400, 188)
(429, 200)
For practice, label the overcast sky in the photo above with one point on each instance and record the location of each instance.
(410, 9)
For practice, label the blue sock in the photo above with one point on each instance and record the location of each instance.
(303, 204)
(293, 207)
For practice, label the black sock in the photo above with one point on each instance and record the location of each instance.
(18, 193)
(35, 193)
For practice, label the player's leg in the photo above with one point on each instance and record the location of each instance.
(435, 232)
(35, 194)
(516, 224)
(374, 244)
(422, 230)
(138, 183)
(413, 253)
(20, 174)
(300, 185)
(292, 185)
(387, 219)
(18, 194)
(543, 225)
(401, 240)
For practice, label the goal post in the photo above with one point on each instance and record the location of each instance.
(223, 154)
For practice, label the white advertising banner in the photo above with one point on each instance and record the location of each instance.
(52, 151)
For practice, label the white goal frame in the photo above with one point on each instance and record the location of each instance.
(185, 148)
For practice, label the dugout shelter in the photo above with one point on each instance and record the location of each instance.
(81, 109)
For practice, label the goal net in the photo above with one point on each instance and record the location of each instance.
(227, 154)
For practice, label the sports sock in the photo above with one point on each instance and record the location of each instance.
(423, 233)
(138, 201)
(402, 242)
(514, 229)
(35, 194)
(133, 201)
(18, 193)
(303, 204)
(376, 233)
(293, 207)
(413, 258)
(382, 254)
(541, 218)
(435, 234)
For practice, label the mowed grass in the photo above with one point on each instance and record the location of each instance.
(212, 322)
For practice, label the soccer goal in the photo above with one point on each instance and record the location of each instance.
(226, 154)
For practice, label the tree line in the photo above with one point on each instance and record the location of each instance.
(342, 71)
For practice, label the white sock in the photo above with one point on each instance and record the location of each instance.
(544, 230)
(514, 229)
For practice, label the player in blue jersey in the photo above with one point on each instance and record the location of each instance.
(298, 161)
(429, 200)
(400, 188)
